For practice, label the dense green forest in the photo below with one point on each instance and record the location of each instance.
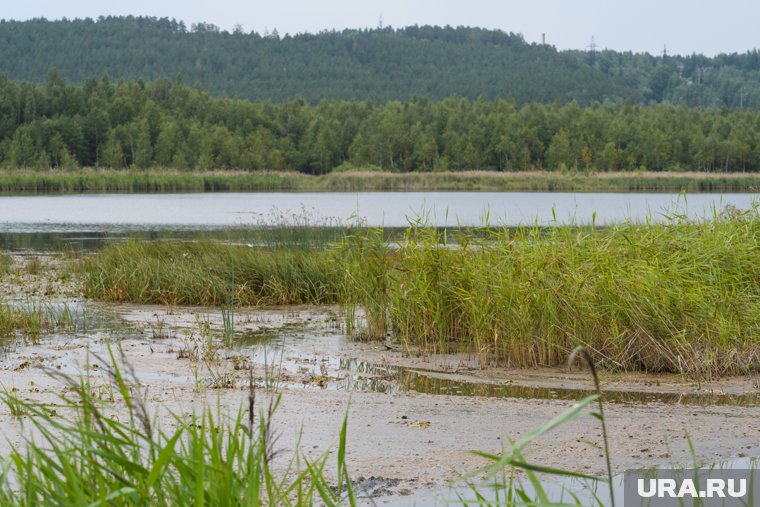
(164, 124)
(378, 65)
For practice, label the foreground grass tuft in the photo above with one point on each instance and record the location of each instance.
(77, 453)
(80, 455)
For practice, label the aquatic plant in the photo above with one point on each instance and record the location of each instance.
(678, 296)
(105, 180)
(33, 265)
(368, 285)
(5, 263)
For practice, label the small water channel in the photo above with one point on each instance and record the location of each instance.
(321, 356)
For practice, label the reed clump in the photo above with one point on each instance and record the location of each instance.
(536, 181)
(32, 319)
(127, 181)
(5, 263)
(208, 273)
(680, 296)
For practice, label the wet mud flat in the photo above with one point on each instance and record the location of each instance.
(412, 420)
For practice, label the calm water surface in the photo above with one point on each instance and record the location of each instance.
(125, 212)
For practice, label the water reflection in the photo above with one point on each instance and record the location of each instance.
(288, 352)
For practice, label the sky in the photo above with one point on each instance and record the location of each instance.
(681, 26)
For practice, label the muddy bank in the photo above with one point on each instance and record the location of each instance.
(399, 440)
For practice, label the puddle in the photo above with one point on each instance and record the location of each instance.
(432, 382)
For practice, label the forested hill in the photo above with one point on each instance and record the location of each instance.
(380, 64)
(373, 64)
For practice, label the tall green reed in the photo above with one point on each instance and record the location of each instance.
(677, 296)
(366, 266)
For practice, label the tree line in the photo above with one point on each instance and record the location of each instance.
(380, 64)
(166, 124)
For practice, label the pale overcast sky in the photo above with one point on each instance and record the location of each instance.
(684, 26)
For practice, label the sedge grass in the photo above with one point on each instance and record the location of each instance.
(201, 273)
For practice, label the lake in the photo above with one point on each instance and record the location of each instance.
(201, 211)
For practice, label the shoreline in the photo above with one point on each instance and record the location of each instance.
(26, 182)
